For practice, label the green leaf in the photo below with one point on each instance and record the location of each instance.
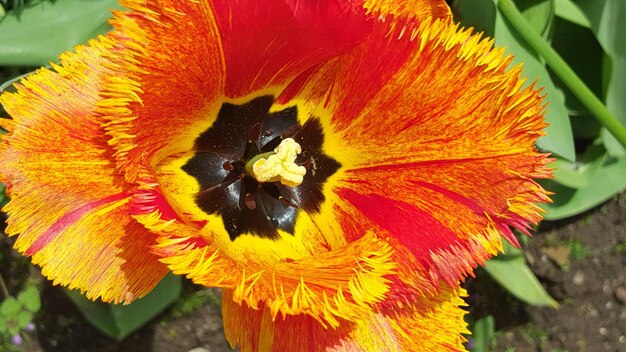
(567, 10)
(4, 199)
(10, 306)
(39, 33)
(579, 174)
(585, 57)
(483, 333)
(30, 299)
(539, 13)
(605, 183)
(512, 273)
(607, 22)
(8, 85)
(616, 103)
(3, 196)
(558, 139)
(13, 327)
(3, 324)
(118, 321)
(24, 318)
(479, 14)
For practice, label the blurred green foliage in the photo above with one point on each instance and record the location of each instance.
(118, 320)
(16, 315)
(191, 302)
(40, 30)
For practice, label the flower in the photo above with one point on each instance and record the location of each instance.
(17, 339)
(335, 167)
(30, 327)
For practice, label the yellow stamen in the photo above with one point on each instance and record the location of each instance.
(280, 165)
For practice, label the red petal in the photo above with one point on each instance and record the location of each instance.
(268, 43)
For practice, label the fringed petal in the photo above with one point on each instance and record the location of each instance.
(170, 74)
(329, 287)
(408, 9)
(391, 22)
(436, 138)
(428, 324)
(419, 142)
(68, 202)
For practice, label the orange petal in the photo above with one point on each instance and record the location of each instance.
(68, 202)
(437, 143)
(331, 286)
(411, 9)
(169, 74)
(429, 324)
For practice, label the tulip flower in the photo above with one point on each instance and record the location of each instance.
(336, 167)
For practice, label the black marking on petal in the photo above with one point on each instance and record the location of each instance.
(311, 139)
(275, 124)
(239, 133)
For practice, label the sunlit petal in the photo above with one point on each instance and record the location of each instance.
(425, 325)
(69, 205)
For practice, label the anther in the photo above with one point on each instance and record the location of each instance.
(279, 165)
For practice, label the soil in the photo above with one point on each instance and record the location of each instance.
(581, 262)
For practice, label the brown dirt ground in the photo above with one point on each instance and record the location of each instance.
(589, 283)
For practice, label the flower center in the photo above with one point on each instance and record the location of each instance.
(279, 166)
(257, 169)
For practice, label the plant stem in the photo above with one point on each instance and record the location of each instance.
(3, 288)
(563, 71)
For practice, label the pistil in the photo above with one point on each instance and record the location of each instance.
(278, 165)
